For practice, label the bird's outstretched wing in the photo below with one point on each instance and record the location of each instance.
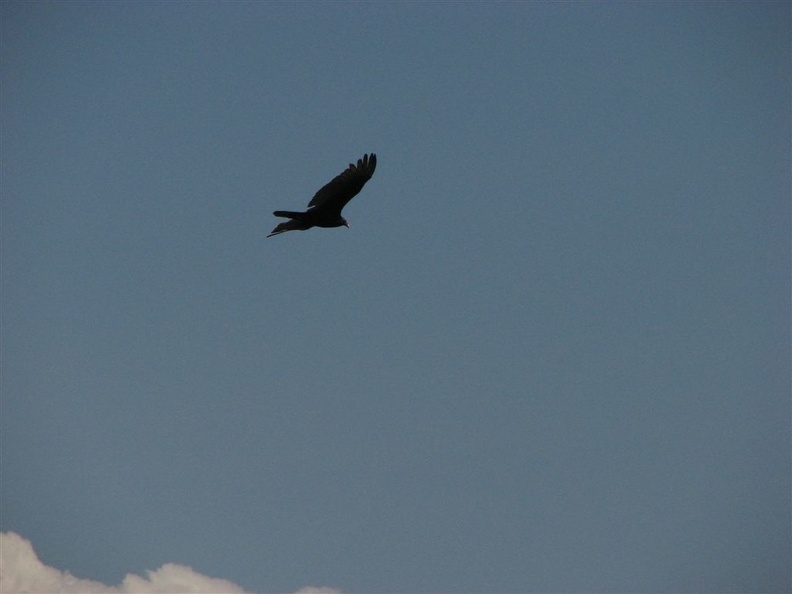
(292, 225)
(334, 195)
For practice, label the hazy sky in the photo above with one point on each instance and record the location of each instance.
(551, 354)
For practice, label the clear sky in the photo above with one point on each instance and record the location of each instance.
(551, 354)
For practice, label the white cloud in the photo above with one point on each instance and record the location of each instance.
(22, 572)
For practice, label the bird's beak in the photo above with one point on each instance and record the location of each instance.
(346, 225)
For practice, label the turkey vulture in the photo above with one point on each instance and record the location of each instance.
(324, 209)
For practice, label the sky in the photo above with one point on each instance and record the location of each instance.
(551, 353)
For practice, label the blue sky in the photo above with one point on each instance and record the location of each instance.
(551, 354)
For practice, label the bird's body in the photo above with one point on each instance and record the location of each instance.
(324, 209)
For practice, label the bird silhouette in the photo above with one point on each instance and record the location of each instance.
(324, 209)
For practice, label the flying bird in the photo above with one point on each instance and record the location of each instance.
(324, 209)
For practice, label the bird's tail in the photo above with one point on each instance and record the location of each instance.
(290, 214)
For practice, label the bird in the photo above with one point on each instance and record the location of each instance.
(324, 209)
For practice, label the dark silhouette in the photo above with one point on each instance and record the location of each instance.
(324, 209)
